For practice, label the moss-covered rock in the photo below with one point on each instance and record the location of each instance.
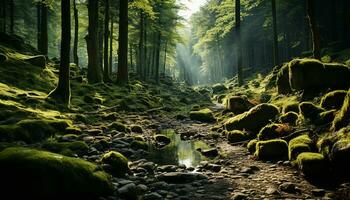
(282, 81)
(340, 154)
(291, 107)
(162, 139)
(333, 100)
(32, 130)
(313, 165)
(272, 150)
(204, 115)
(38, 61)
(343, 117)
(118, 163)
(273, 131)
(290, 118)
(254, 119)
(118, 126)
(37, 174)
(218, 88)
(299, 145)
(66, 148)
(252, 146)
(238, 104)
(302, 75)
(310, 111)
(137, 144)
(237, 136)
(136, 129)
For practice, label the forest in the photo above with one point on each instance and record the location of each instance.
(174, 99)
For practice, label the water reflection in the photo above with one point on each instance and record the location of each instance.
(178, 151)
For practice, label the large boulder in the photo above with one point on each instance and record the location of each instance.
(38, 61)
(238, 104)
(313, 165)
(310, 74)
(219, 88)
(118, 163)
(272, 150)
(310, 111)
(273, 131)
(254, 119)
(290, 118)
(204, 115)
(34, 174)
(299, 145)
(340, 154)
(282, 81)
(237, 136)
(343, 117)
(333, 100)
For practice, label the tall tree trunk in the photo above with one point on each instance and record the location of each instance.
(94, 68)
(131, 57)
(111, 48)
(43, 42)
(4, 15)
(76, 33)
(157, 64)
(275, 37)
(141, 61)
(106, 66)
(239, 42)
(12, 17)
(123, 43)
(165, 55)
(145, 50)
(62, 90)
(100, 38)
(38, 21)
(316, 43)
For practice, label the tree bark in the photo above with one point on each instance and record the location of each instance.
(157, 57)
(123, 43)
(106, 40)
(275, 37)
(12, 17)
(4, 15)
(62, 91)
(165, 55)
(315, 34)
(76, 33)
(111, 48)
(94, 69)
(43, 42)
(141, 61)
(239, 43)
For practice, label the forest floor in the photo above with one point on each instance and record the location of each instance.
(106, 117)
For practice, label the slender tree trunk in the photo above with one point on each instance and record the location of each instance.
(43, 44)
(145, 50)
(131, 57)
(12, 17)
(158, 57)
(62, 90)
(275, 37)
(106, 66)
(4, 15)
(76, 33)
(38, 17)
(316, 43)
(140, 64)
(239, 42)
(123, 43)
(100, 39)
(111, 48)
(165, 55)
(94, 68)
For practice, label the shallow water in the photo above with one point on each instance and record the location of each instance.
(178, 152)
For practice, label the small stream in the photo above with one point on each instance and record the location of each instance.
(178, 152)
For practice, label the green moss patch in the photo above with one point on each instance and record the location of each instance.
(272, 150)
(237, 136)
(118, 163)
(39, 174)
(290, 118)
(66, 148)
(313, 165)
(273, 131)
(254, 119)
(343, 117)
(252, 146)
(333, 100)
(204, 115)
(299, 145)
